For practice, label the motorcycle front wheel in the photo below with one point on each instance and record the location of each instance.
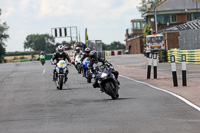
(111, 90)
(89, 77)
(60, 82)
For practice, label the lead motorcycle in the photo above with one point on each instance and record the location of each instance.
(61, 74)
(107, 80)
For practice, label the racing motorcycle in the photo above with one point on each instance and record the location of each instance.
(77, 63)
(61, 74)
(42, 59)
(107, 80)
(86, 72)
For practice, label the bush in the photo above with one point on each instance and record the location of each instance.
(21, 57)
(16, 53)
(15, 58)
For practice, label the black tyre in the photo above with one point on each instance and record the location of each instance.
(89, 78)
(79, 68)
(61, 82)
(110, 90)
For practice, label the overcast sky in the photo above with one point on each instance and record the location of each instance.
(105, 20)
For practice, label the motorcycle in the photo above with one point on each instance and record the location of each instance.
(78, 63)
(61, 74)
(42, 59)
(86, 73)
(107, 80)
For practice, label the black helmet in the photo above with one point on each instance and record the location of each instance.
(78, 49)
(93, 54)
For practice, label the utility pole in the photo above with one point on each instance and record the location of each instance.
(155, 17)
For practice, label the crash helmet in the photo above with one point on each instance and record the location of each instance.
(60, 49)
(42, 52)
(78, 49)
(93, 54)
(87, 50)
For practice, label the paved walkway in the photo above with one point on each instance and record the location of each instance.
(138, 71)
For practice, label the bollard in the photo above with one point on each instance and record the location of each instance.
(155, 63)
(149, 66)
(184, 77)
(173, 67)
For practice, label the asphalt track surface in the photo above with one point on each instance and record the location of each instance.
(30, 103)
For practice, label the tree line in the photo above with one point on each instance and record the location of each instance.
(34, 43)
(45, 42)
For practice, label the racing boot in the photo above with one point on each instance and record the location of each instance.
(95, 84)
(54, 77)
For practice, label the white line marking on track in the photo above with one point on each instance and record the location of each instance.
(171, 93)
(44, 71)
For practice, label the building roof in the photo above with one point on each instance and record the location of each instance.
(195, 24)
(141, 20)
(174, 5)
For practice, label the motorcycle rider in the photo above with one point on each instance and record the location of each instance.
(60, 55)
(41, 53)
(94, 60)
(87, 53)
(77, 52)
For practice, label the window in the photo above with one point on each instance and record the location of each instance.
(163, 19)
(173, 18)
(196, 15)
(143, 24)
(189, 17)
(137, 25)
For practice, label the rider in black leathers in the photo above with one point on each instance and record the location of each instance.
(87, 53)
(95, 59)
(60, 55)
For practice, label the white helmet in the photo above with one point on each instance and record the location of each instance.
(60, 49)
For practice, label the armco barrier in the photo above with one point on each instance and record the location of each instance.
(192, 56)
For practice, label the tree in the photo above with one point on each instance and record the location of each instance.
(146, 32)
(146, 5)
(3, 37)
(104, 46)
(43, 42)
(114, 46)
